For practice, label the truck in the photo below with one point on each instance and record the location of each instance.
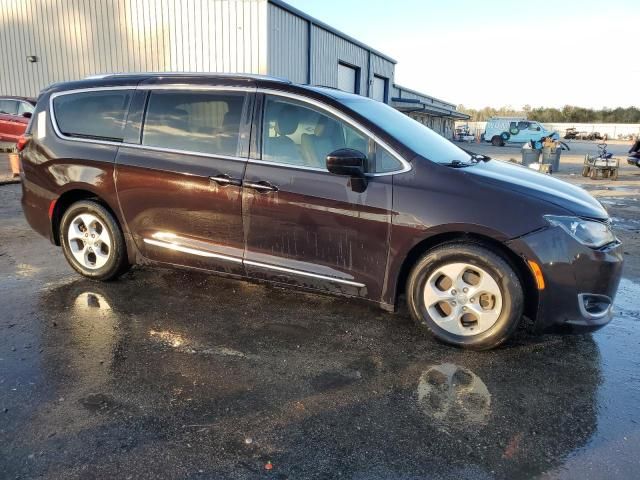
(502, 130)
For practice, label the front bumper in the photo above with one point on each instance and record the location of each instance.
(580, 282)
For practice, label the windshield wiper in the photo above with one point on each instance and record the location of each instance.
(457, 164)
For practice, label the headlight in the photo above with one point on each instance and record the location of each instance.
(588, 232)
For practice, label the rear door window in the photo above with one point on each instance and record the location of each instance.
(8, 107)
(199, 122)
(95, 115)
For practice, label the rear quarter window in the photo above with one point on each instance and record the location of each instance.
(96, 115)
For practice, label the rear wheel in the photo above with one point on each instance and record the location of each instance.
(465, 295)
(594, 173)
(92, 241)
(585, 171)
(496, 141)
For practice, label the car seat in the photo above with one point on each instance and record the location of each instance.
(326, 138)
(281, 148)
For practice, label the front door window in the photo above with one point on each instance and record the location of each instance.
(300, 135)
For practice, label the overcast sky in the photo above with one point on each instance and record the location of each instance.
(496, 53)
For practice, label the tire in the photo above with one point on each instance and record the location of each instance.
(614, 174)
(594, 173)
(495, 325)
(496, 141)
(585, 171)
(97, 251)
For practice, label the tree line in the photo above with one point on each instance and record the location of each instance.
(566, 114)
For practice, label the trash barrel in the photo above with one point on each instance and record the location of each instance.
(529, 156)
(552, 157)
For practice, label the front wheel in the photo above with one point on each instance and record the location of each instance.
(92, 241)
(465, 295)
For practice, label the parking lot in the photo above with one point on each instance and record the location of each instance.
(172, 374)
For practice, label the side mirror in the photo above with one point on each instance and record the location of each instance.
(27, 114)
(347, 161)
(351, 163)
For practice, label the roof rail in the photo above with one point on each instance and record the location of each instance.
(178, 74)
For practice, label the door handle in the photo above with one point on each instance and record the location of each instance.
(225, 180)
(261, 187)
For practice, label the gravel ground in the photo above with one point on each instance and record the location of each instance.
(167, 374)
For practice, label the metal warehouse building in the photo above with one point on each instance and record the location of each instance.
(47, 41)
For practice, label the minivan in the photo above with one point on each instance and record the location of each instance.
(502, 130)
(258, 178)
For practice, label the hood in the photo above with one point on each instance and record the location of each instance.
(533, 184)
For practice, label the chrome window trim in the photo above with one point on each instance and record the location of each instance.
(54, 120)
(406, 166)
(183, 152)
(230, 88)
(287, 165)
(203, 253)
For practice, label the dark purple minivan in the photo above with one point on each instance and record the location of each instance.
(257, 178)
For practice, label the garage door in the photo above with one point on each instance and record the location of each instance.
(347, 78)
(380, 88)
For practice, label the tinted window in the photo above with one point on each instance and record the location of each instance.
(200, 122)
(418, 138)
(9, 107)
(297, 134)
(98, 114)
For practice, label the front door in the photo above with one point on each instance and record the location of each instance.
(180, 188)
(303, 225)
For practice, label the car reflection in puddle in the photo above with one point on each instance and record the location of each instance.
(454, 396)
(307, 378)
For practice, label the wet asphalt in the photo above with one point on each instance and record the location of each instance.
(172, 374)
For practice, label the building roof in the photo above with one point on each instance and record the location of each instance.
(329, 28)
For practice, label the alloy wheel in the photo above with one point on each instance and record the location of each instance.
(89, 241)
(462, 299)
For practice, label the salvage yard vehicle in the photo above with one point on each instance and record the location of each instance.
(258, 178)
(603, 164)
(502, 130)
(15, 113)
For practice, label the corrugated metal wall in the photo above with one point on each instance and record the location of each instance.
(76, 38)
(288, 52)
(288, 39)
(402, 92)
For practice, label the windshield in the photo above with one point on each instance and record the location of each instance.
(417, 137)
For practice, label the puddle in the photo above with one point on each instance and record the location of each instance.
(182, 344)
(626, 302)
(454, 396)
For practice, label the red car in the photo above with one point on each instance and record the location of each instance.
(15, 113)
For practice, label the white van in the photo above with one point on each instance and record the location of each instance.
(502, 130)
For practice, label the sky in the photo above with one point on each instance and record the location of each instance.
(501, 53)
